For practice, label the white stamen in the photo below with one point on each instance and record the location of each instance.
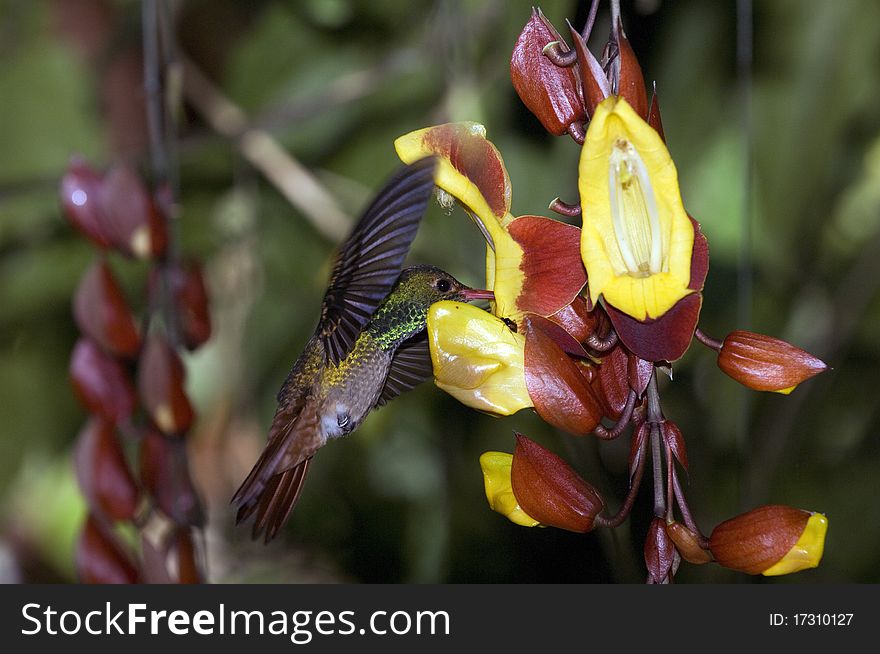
(634, 212)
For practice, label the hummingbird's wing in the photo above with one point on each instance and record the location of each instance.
(410, 366)
(370, 260)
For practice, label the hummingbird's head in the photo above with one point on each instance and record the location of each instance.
(425, 285)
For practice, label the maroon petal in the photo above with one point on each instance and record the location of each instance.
(130, 217)
(161, 386)
(100, 558)
(659, 552)
(664, 339)
(100, 382)
(630, 82)
(101, 312)
(165, 476)
(559, 391)
(612, 381)
(674, 440)
(548, 489)
(576, 320)
(103, 473)
(190, 297)
(80, 201)
(552, 267)
(594, 83)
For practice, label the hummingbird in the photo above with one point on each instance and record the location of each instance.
(370, 346)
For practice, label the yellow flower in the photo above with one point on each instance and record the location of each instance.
(477, 358)
(637, 240)
(499, 492)
(807, 551)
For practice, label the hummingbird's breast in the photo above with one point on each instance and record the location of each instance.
(350, 390)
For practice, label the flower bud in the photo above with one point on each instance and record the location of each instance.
(160, 384)
(103, 473)
(477, 358)
(770, 540)
(100, 382)
(549, 91)
(764, 363)
(550, 491)
(102, 314)
(130, 218)
(100, 558)
(165, 475)
(496, 479)
(659, 552)
(687, 543)
(79, 200)
(190, 298)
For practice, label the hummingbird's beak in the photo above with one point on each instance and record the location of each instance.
(471, 294)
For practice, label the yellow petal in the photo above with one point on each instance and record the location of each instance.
(637, 240)
(477, 359)
(807, 551)
(471, 170)
(496, 478)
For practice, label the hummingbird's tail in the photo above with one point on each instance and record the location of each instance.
(272, 500)
(274, 484)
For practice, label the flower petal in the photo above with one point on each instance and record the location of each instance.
(499, 493)
(560, 392)
(477, 358)
(638, 245)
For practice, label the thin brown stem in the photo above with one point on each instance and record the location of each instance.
(591, 20)
(564, 208)
(687, 516)
(562, 58)
(707, 340)
(602, 344)
(623, 513)
(625, 417)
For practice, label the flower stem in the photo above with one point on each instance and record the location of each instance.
(708, 341)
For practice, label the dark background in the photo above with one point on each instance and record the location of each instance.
(334, 82)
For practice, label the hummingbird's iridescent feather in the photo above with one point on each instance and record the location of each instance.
(370, 260)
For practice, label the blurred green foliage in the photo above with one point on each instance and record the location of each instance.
(335, 82)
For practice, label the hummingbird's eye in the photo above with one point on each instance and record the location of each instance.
(443, 285)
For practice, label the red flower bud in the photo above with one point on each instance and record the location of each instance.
(100, 382)
(764, 363)
(102, 314)
(161, 386)
(80, 201)
(103, 473)
(687, 543)
(165, 476)
(674, 440)
(100, 558)
(130, 218)
(549, 91)
(770, 540)
(187, 290)
(659, 552)
(548, 490)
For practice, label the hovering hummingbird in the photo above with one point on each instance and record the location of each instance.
(369, 347)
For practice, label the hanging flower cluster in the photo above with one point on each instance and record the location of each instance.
(584, 316)
(129, 377)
